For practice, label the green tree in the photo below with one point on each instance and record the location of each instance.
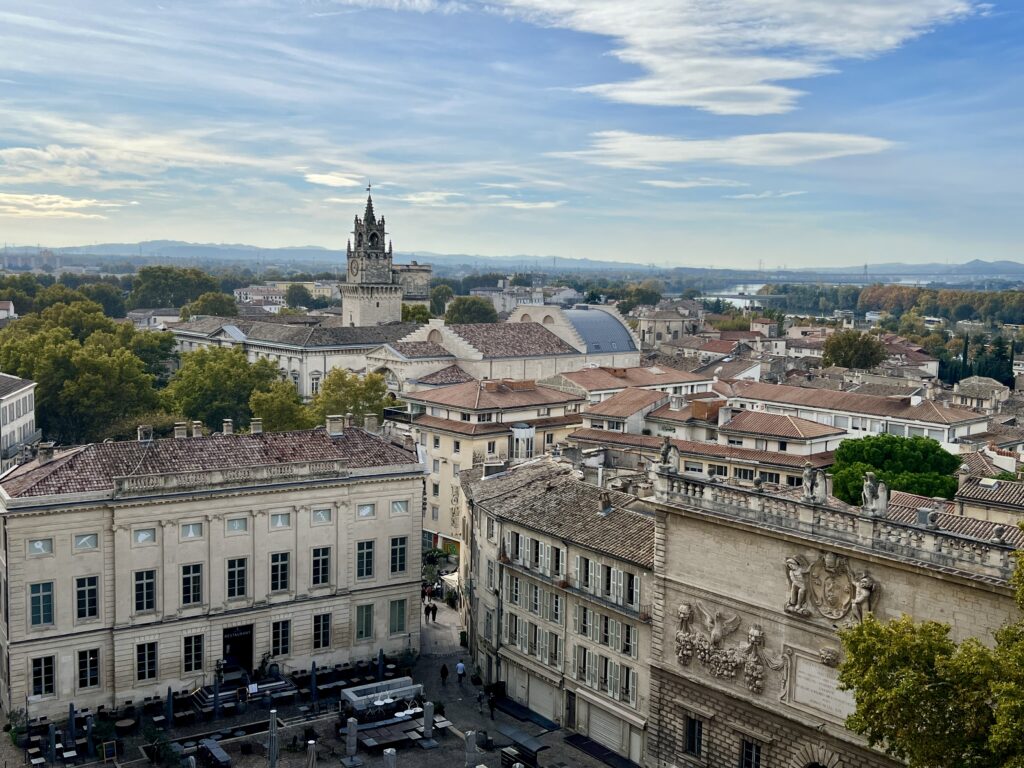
(415, 313)
(162, 286)
(853, 349)
(217, 383)
(439, 298)
(915, 464)
(342, 392)
(281, 408)
(298, 296)
(107, 296)
(211, 303)
(470, 309)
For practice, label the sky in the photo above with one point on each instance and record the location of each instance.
(771, 133)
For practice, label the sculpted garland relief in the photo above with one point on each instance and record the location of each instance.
(828, 585)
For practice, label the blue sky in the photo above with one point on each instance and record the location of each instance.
(673, 132)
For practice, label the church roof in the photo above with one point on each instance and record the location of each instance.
(512, 339)
(601, 331)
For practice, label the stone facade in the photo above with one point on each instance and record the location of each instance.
(750, 586)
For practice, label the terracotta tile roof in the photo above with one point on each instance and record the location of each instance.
(725, 369)
(665, 413)
(903, 508)
(852, 402)
(627, 402)
(740, 335)
(708, 450)
(493, 395)
(11, 384)
(979, 464)
(93, 467)
(526, 495)
(513, 339)
(493, 427)
(718, 346)
(979, 386)
(299, 332)
(599, 379)
(416, 349)
(452, 374)
(1000, 493)
(777, 425)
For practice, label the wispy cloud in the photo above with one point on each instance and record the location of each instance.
(527, 205)
(622, 149)
(332, 179)
(53, 206)
(728, 57)
(703, 181)
(766, 195)
(432, 199)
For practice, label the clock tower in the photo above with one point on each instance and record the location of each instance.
(370, 295)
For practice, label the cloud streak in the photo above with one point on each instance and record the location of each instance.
(53, 206)
(703, 181)
(766, 195)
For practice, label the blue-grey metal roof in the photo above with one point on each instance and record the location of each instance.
(601, 331)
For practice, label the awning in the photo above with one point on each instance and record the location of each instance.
(451, 580)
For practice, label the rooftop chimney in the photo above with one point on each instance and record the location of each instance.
(227, 427)
(349, 420)
(145, 433)
(180, 429)
(45, 453)
(335, 425)
(197, 429)
(256, 426)
(606, 503)
(371, 423)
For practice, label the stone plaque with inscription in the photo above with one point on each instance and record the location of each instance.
(814, 686)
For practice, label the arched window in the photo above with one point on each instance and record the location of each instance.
(525, 318)
(548, 320)
(435, 336)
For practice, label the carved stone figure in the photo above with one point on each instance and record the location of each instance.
(820, 487)
(663, 453)
(863, 600)
(797, 571)
(869, 492)
(829, 657)
(684, 636)
(673, 460)
(757, 659)
(808, 481)
(831, 586)
(718, 624)
(882, 499)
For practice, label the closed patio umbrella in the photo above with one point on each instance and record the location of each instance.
(216, 696)
(272, 740)
(312, 683)
(169, 708)
(90, 746)
(51, 748)
(69, 734)
(310, 754)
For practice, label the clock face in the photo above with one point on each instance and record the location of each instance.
(353, 267)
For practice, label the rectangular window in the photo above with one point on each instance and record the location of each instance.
(489, 625)
(434, 511)
(193, 656)
(321, 566)
(465, 416)
(364, 622)
(85, 542)
(435, 491)
(191, 584)
(485, 417)
(783, 445)
(41, 598)
(280, 520)
(490, 574)
(145, 661)
(238, 525)
(750, 755)
(38, 547)
(364, 559)
(280, 571)
(694, 736)
(719, 470)
(42, 676)
(770, 477)
(399, 507)
(281, 638)
(145, 591)
(437, 442)
(436, 466)
(693, 466)
(89, 668)
(321, 630)
(491, 447)
(741, 473)
(87, 597)
(238, 577)
(321, 516)
(192, 531)
(396, 620)
(399, 547)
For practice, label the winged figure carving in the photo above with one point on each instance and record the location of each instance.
(718, 624)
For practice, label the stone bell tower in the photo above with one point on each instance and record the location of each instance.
(370, 294)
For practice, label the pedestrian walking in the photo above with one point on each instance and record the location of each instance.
(480, 698)
(444, 675)
(433, 612)
(492, 702)
(460, 671)
(426, 612)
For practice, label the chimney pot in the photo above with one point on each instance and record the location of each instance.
(371, 423)
(349, 420)
(197, 429)
(145, 433)
(180, 429)
(256, 426)
(228, 427)
(335, 425)
(44, 453)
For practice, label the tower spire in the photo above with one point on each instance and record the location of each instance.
(368, 217)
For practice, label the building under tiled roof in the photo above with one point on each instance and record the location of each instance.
(305, 332)
(901, 408)
(10, 384)
(903, 508)
(606, 378)
(777, 425)
(650, 443)
(476, 429)
(493, 395)
(626, 403)
(545, 496)
(94, 467)
(989, 492)
(451, 374)
(512, 339)
(419, 349)
(979, 464)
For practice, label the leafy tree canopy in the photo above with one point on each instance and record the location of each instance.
(280, 408)
(470, 309)
(439, 298)
(297, 295)
(162, 286)
(853, 349)
(106, 295)
(913, 464)
(342, 392)
(217, 383)
(415, 313)
(211, 303)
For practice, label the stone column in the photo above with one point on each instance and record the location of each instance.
(428, 720)
(470, 748)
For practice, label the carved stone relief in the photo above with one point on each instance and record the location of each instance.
(830, 587)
